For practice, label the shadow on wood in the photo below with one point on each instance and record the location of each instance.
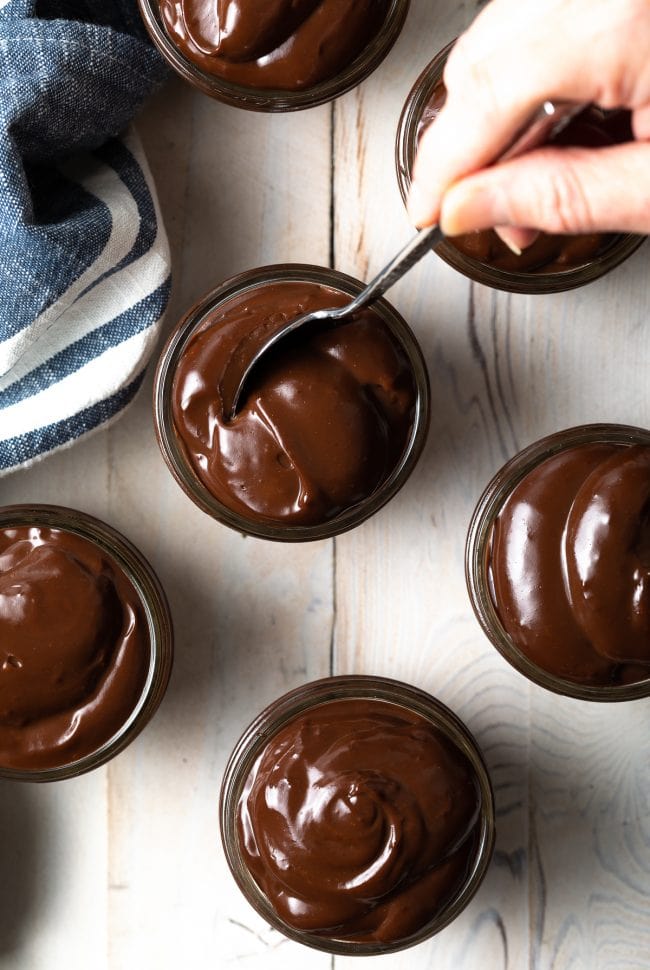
(24, 883)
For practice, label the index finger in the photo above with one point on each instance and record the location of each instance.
(517, 54)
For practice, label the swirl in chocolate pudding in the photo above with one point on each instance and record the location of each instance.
(359, 821)
(74, 648)
(287, 45)
(549, 253)
(324, 423)
(570, 564)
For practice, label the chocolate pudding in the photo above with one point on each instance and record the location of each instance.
(569, 564)
(325, 422)
(285, 45)
(74, 647)
(549, 253)
(359, 821)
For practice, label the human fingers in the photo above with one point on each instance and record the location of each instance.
(557, 190)
(517, 54)
(516, 238)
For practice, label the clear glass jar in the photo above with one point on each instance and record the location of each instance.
(173, 451)
(155, 610)
(258, 734)
(477, 556)
(537, 281)
(259, 99)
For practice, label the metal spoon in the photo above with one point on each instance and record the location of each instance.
(547, 122)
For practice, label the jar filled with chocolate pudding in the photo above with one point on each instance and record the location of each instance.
(554, 262)
(281, 55)
(558, 562)
(85, 642)
(357, 815)
(331, 423)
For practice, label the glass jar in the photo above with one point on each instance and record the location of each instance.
(155, 610)
(260, 99)
(306, 699)
(478, 551)
(537, 281)
(174, 453)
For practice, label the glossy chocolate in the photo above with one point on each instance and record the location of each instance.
(570, 564)
(549, 253)
(359, 821)
(324, 423)
(74, 648)
(286, 45)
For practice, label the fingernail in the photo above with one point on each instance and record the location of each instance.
(515, 238)
(508, 237)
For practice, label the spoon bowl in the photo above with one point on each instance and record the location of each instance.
(547, 122)
(245, 360)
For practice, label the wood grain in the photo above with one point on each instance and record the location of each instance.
(570, 881)
(122, 869)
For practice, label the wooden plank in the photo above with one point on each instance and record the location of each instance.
(123, 868)
(147, 884)
(590, 785)
(402, 609)
(52, 890)
(253, 619)
(504, 371)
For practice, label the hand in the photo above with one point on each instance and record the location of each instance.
(517, 54)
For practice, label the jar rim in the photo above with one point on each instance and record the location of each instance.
(156, 610)
(172, 450)
(271, 99)
(479, 533)
(622, 245)
(316, 694)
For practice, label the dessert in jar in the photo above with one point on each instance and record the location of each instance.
(357, 815)
(85, 642)
(330, 426)
(558, 562)
(278, 56)
(553, 262)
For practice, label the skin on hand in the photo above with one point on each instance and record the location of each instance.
(517, 54)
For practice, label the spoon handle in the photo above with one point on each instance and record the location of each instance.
(547, 122)
(406, 258)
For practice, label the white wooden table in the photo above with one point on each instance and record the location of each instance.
(122, 869)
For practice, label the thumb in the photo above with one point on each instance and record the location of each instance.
(556, 190)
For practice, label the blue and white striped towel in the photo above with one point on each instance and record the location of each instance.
(84, 261)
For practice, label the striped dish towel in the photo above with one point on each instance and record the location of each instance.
(84, 261)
